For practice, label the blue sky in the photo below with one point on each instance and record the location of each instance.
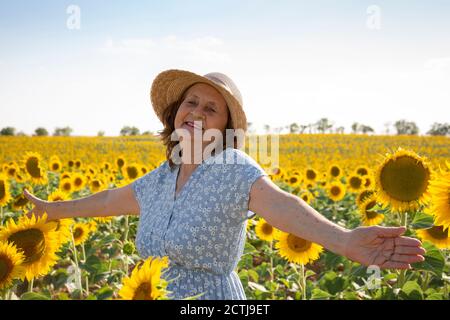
(292, 60)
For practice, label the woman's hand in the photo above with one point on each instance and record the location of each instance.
(383, 247)
(40, 206)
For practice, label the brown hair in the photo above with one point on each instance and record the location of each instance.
(169, 127)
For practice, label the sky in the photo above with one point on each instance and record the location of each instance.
(89, 65)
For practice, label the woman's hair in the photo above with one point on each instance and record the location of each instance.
(169, 127)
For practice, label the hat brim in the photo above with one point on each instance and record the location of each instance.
(169, 85)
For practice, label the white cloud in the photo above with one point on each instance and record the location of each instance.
(206, 49)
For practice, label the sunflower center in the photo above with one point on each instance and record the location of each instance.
(404, 179)
(371, 214)
(298, 244)
(32, 166)
(335, 190)
(355, 182)
(365, 194)
(31, 242)
(293, 180)
(362, 171)
(335, 171)
(437, 232)
(267, 228)
(132, 172)
(78, 233)
(310, 174)
(2, 189)
(5, 267)
(143, 292)
(78, 182)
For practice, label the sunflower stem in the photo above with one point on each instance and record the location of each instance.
(1, 215)
(271, 268)
(125, 234)
(303, 279)
(78, 271)
(403, 222)
(30, 285)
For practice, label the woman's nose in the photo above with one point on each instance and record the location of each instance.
(198, 115)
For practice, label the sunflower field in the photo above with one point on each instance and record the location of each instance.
(353, 180)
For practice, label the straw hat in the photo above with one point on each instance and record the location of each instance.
(169, 85)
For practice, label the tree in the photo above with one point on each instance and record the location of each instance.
(340, 130)
(129, 131)
(8, 131)
(40, 132)
(355, 127)
(293, 128)
(267, 128)
(405, 127)
(147, 133)
(439, 129)
(323, 125)
(364, 129)
(21, 134)
(101, 133)
(66, 131)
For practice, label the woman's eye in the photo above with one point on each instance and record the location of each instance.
(211, 109)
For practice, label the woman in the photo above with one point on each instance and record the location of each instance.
(195, 212)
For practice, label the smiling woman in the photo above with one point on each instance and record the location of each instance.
(196, 213)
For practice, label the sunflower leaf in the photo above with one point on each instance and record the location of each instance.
(422, 221)
(33, 296)
(411, 291)
(434, 260)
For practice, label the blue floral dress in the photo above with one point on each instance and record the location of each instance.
(203, 229)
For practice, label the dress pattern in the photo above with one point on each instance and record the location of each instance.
(202, 229)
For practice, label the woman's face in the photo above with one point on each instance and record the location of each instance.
(204, 105)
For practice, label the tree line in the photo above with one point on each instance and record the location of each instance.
(324, 125)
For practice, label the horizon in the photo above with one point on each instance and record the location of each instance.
(89, 65)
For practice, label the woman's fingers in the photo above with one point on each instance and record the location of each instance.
(395, 265)
(410, 250)
(406, 258)
(407, 242)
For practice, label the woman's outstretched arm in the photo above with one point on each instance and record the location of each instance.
(109, 202)
(376, 245)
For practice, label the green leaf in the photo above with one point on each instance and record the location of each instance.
(257, 286)
(434, 260)
(422, 221)
(254, 275)
(104, 293)
(411, 291)
(318, 294)
(33, 296)
(435, 296)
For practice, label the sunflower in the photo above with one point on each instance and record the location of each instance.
(362, 171)
(38, 241)
(11, 170)
(58, 195)
(80, 232)
(370, 218)
(335, 171)
(440, 198)
(62, 227)
(264, 230)
(310, 175)
(66, 175)
(144, 170)
(296, 249)
(92, 224)
(131, 172)
(307, 196)
(355, 183)
(436, 235)
(66, 185)
(5, 195)
(120, 162)
(10, 264)
(294, 180)
(145, 282)
(97, 184)
(103, 219)
(55, 164)
(360, 197)
(78, 181)
(78, 163)
(369, 182)
(402, 180)
(336, 191)
(34, 167)
(19, 202)
(71, 163)
(106, 165)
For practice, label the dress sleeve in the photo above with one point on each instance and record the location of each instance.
(144, 188)
(246, 172)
